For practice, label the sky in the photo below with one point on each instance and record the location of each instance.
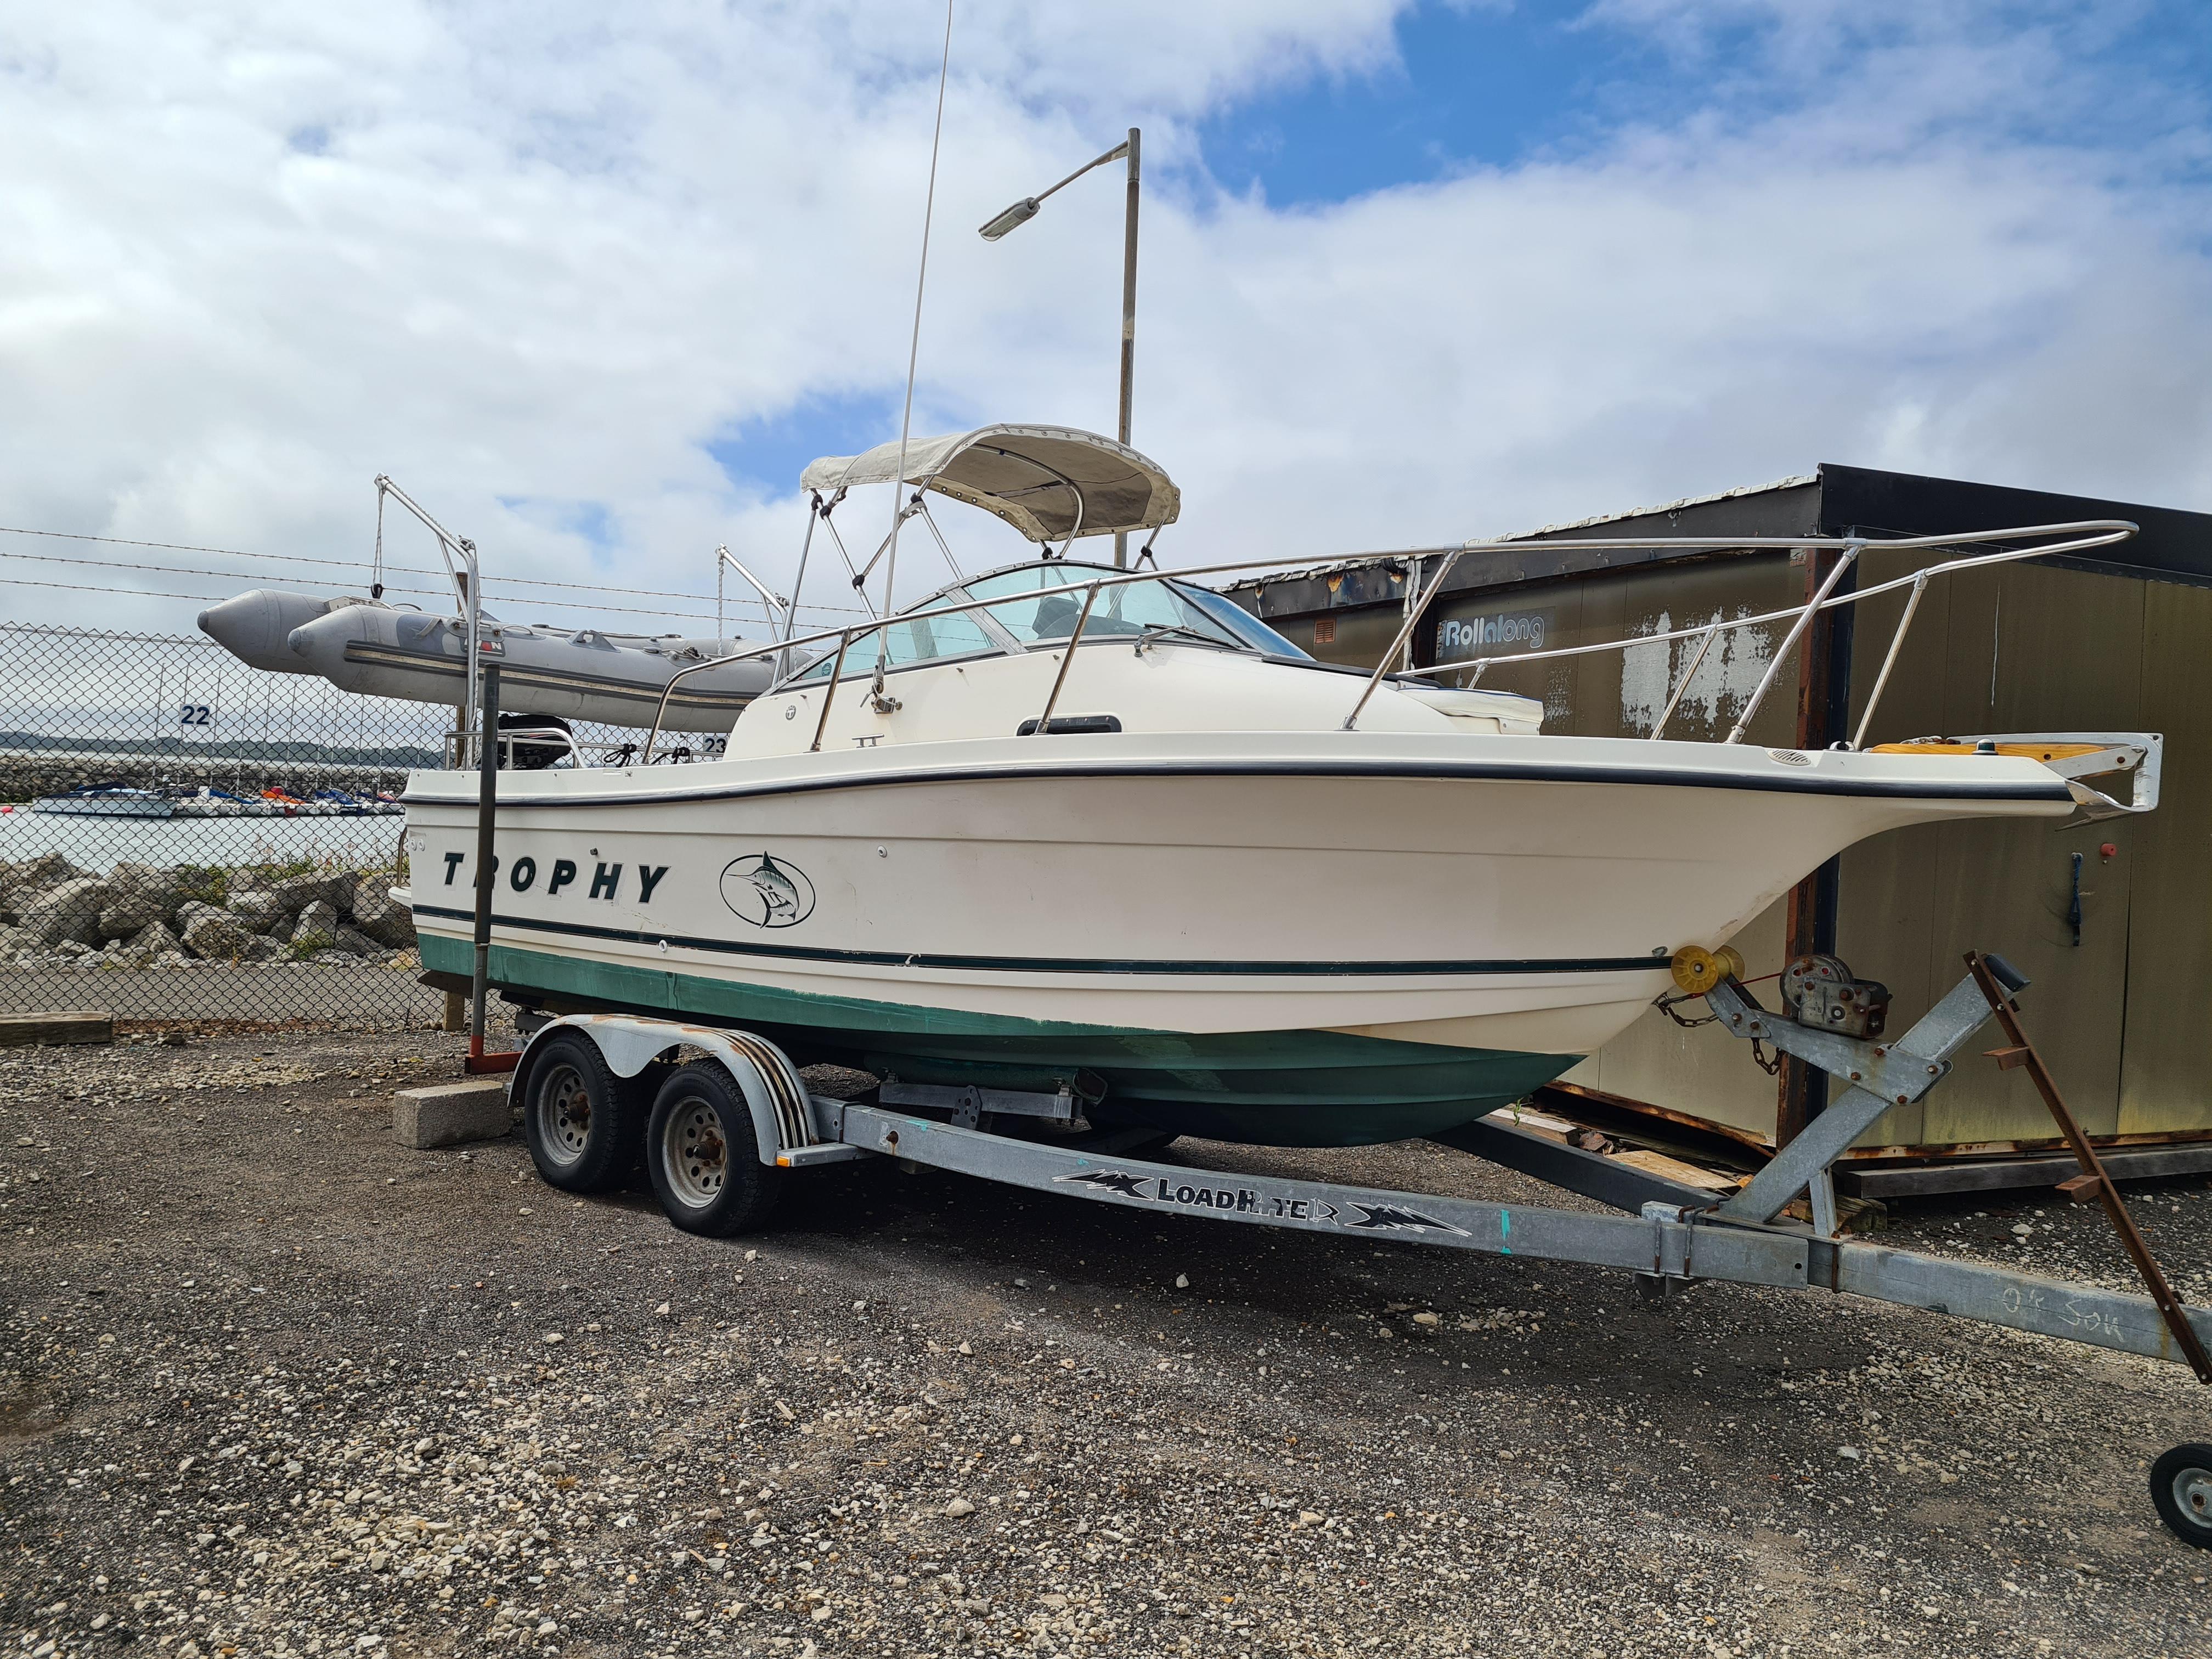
(594, 284)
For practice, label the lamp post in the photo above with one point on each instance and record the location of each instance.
(1026, 210)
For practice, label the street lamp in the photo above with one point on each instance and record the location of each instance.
(1026, 210)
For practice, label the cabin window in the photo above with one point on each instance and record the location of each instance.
(919, 641)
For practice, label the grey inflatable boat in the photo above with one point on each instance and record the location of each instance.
(576, 674)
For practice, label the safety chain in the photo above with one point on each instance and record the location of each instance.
(1666, 1004)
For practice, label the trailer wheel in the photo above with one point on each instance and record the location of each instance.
(703, 1157)
(2181, 1489)
(580, 1119)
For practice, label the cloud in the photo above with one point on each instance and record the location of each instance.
(554, 271)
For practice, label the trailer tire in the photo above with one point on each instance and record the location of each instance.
(703, 1157)
(2181, 1491)
(582, 1119)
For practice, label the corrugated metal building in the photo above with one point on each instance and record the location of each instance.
(2122, 1000)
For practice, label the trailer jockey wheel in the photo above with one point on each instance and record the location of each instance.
(2181, 1488)
(703, 1157)
(580, 1118)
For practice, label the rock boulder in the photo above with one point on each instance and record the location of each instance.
(142, 893)
(260, 910)
(69, 912)
(150, 942)
(296, 893)
(380, 916)
(214, 935)
(318, 927)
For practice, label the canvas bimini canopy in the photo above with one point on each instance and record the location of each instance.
(1050, 482)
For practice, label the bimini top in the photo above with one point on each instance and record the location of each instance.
(1050, 482)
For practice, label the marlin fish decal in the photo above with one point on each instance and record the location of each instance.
(1112, 1181)
(767, 892)
(777, 890)
(1396, 1218)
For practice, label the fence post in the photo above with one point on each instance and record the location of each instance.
(487, 798)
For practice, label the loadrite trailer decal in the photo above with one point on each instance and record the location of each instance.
(1244, 1200)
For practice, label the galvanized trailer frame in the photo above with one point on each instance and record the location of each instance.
(1673, 1235)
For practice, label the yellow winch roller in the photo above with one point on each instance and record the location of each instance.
(1697, 970)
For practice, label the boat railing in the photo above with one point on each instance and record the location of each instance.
(2049, 541)
(511, 740)
(2079, 537)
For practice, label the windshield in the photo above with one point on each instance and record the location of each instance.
(1130, 608)
(1041, 603)
(1242, 622)
(957, 634)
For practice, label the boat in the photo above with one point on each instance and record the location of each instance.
(1068, 824)
(107, 801)
(364, 646)
(205, 803)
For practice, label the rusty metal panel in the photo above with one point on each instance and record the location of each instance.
(1356, 637)
(2164, 1081)
(1885, 922)
(1620, 693)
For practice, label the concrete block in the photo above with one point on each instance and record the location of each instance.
(444, 1113)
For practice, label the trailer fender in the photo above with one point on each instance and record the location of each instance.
(773, 1090)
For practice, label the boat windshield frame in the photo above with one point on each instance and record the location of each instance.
(1199, 622)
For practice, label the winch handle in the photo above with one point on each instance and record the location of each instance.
(2005, 974)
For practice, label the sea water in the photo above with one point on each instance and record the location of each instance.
(99, 844)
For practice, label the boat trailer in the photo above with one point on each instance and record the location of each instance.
(719, 1128)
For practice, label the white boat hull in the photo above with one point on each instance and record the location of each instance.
(1241, 926)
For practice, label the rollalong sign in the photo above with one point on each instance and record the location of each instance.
(1496, 633)
(1231, 1199)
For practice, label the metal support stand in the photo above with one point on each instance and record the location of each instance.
(1881, 1075)
(969, 1105)
(486, 805)
(1997, 982)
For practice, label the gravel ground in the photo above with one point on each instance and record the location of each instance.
(271, 1384)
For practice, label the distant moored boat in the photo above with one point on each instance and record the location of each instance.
(107, 801)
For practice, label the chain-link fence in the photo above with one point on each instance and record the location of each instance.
(185, 838)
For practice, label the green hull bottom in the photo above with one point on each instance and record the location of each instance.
(1267, 1088)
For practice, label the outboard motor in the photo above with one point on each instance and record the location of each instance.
(526, 757)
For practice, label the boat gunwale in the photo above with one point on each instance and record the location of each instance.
(1597, 774)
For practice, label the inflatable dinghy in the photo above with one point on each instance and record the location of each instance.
(578, 674)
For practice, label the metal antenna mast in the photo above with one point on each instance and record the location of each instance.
(913, 357)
